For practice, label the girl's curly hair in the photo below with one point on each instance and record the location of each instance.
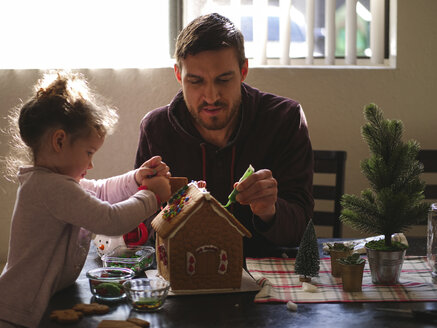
(61, 100)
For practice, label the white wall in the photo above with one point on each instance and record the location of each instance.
(333, 100)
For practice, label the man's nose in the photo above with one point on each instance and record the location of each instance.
(211, 93)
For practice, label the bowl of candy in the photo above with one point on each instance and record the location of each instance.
(146, 294)
(136, 258)
(107, 283)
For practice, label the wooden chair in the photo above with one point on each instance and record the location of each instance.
(428, 158)
(329, 162)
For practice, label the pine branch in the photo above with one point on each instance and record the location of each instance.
(360, 213)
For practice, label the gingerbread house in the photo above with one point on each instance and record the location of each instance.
(199, 244)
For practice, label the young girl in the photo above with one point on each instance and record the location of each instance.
(56, 209)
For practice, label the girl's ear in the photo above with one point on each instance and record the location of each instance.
(59, 138)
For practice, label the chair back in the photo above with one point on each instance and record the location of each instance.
(329, 162)
(428, 157)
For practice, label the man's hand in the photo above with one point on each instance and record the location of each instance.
(152, 167)
(260, 191)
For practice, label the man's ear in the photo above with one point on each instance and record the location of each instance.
(244, 70)
(59, 138)
(177, 73)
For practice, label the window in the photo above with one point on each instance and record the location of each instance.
(141, 33)
(258, 17)
(84, 33)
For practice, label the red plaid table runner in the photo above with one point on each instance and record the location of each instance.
(280, 283)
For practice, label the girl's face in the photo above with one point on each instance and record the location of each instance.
(77, 156)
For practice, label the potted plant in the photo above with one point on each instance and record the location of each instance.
(352, 268)
(394, 200)
(338, 251)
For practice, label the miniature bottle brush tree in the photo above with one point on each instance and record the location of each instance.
(394, 200)
(308, 260)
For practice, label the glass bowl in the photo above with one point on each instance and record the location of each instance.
(146, 294)
(136, 258)
(107, 283)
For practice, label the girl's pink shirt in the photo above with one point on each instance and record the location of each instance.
(52, 223)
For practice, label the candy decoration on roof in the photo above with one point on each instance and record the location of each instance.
(176, 203)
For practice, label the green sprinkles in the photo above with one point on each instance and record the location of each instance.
(109, 289)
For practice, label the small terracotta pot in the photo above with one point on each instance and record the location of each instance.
(352, 276)
(335, 266)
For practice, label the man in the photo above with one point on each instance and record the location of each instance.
(217, 125)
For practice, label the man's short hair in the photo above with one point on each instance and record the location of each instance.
(209, 32)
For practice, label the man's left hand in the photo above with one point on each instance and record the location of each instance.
(260, 191)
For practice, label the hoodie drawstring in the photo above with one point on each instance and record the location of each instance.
(232, 167)
(202, 146)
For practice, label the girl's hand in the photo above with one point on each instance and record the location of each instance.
(152, 167)
(160, 185)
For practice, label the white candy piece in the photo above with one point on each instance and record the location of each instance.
(291, 306)
(306, 287)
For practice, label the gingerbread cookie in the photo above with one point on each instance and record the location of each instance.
(139, 322)
(93, 308)
(116, 324)
(66, 316)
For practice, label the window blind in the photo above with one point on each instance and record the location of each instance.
(271, 29)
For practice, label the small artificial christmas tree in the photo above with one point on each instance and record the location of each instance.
(308, 259)
(394, 200)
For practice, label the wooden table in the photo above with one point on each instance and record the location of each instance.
(239, 310)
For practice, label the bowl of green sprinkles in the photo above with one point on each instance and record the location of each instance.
(107, 283)
(146, 294)
(136, 258)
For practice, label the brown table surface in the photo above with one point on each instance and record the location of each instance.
(239, 310)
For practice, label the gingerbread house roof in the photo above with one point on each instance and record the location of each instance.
(187, 201)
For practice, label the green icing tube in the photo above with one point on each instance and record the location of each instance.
(233, 194)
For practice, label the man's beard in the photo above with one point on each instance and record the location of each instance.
(214, 123)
